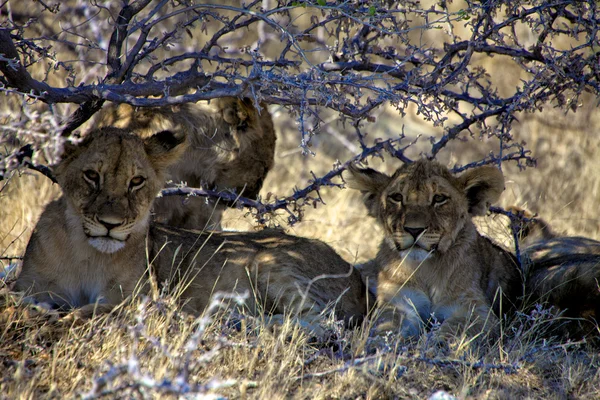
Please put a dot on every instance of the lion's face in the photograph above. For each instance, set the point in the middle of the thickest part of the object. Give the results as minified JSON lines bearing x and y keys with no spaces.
{"x":423,"y":207}
{"x":231,"y":146}
{"x":110,"y":181}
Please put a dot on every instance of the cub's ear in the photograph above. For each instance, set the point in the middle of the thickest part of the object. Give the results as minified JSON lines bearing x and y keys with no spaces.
{"x":164,"y":148}
{"x":482,"y":186}
{"x":370,"y":183}
{"x":70,"y":152}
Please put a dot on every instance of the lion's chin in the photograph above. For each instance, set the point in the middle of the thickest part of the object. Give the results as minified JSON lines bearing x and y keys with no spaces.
{"x":106,"y":245}
{"x":415,"y":254}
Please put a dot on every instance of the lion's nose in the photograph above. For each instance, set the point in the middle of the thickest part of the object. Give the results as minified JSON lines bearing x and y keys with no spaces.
{"x":414,"y":232}
{"x":110,"y":222}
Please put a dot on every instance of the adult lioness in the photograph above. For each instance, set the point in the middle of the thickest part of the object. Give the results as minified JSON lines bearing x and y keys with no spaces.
{"x":94,"y":244}
{"x":231,"y":145}
{"x":434,"y":262}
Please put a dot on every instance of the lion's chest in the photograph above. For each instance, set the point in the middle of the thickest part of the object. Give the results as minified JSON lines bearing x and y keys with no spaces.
{"x":87,"y":282}
{"x":437,"y":282}
{"x":424,"y":272}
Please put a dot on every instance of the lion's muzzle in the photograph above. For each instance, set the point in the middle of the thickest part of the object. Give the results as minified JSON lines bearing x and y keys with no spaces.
{"x":107,"y":233}
{"x":415,"y":237}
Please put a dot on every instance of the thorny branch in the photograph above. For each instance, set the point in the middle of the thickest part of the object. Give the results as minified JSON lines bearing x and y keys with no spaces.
{"x":351,"y":57}
{"x":294,"y":203}
{"x":438,"y":362}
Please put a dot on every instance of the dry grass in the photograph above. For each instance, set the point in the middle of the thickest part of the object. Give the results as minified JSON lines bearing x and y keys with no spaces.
{"x":150,"y":349}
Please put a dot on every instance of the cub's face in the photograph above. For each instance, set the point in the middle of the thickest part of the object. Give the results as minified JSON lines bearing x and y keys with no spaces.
{"x":110,"y":181}
{"x":423,"y":207}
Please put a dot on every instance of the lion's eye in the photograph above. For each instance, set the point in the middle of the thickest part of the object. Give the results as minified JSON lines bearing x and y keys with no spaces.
{"x":91,"y":176}
{"x":396,"y":197}
{"x":136,"y":182}
{"x":439,"y":199}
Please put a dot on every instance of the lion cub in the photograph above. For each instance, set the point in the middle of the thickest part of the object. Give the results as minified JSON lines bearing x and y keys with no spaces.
{"x":231,"y":146}
{"x":433,"y":262}
{"x":93,"y":246}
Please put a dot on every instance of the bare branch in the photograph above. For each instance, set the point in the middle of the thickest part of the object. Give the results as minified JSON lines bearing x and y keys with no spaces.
{"x":294,"y":202}
{"x":14,"y":72}
{"x":115,"y":48}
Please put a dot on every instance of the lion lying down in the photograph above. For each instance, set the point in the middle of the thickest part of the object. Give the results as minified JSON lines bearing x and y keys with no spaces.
{"x":93,"y":246}
{"x":230,"y":146}
{"x":433,"y":262}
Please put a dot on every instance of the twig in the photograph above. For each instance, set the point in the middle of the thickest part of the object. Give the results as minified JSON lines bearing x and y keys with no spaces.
{"x":11,"y":258}
{"x":438,"y":362}
{"x":24,"y":156}
{"x":298,"y":195}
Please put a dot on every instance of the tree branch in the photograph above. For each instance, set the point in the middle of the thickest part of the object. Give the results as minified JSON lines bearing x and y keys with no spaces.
{"x":298,"y":195}
{"x":14,"y":72}
{"x":116,"y":74}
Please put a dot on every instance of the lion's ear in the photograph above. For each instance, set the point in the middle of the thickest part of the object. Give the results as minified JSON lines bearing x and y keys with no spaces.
{"x":482,"y":186}
{"x":70,"y":152}
{"x":370,"y":183}
{"x":164,"y":148}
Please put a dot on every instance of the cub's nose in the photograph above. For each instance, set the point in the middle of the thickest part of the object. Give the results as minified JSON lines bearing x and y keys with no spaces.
{"x":414,"y":232}
{"x":110,"y":222}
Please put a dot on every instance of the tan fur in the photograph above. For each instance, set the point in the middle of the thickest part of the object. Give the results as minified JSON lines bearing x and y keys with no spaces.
{"x":562,"y":271}
{"x":433,"y":262}
{"x":565,"y":272}
{"x":92,"y":247}
{"x":534,"y":229}
{"x":231,"y":145}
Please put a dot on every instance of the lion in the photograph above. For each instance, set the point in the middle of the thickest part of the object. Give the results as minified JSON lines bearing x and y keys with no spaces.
{"x":529,"y":227}
{"x":231,"y":145}
{"x":97,"y":245}
{"x":434,"y":264}
{"x":565,"y":272}
{"x":562,"y":271}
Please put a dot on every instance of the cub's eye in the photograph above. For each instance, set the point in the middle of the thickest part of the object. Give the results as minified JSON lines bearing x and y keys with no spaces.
{"x":396,"y":197}
{"x":439,"y":199}
{"x":91,"y":176}
{"x":136,"y":182}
